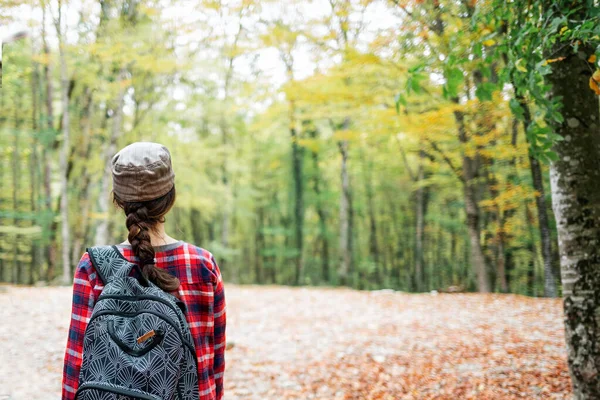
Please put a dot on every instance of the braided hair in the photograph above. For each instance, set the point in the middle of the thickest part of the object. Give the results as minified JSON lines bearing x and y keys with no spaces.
{"x":142,"y":217}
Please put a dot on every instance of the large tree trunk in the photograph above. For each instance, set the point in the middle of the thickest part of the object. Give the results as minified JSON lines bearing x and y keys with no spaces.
{"x":472,"y":211}
{"x":576,"y":203}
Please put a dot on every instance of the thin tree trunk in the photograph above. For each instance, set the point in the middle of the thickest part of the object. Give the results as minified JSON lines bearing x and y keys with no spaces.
{"x":259,"y":246}
{"x":226,"y":205}
{"x":542,"y":210}
{"x":16,"y":180}
{"x":472,"y":211}
{"x":34,"y":264}
{"x":373,"y":243}
{"x":102,"y":231}
{"x":81,"y":228}
{"x":500,"y":239}
{"x":64,"y":157}
{"x":576,"y":202}
{"x":196,"y":222}
{"x":531,"y":248}
{"x":50,"y":248}
{"x":297,"y":158}
{"x":320,"y":212}
{"x":345,"y":216}
{"x":420,"y":225}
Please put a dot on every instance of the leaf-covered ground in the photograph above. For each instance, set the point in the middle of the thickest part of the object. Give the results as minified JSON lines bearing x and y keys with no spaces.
{"x":312,"y":343}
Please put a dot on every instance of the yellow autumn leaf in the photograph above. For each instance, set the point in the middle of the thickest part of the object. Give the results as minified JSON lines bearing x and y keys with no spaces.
{"x":552,"y":60}
{"x":594,"y":83}
{"x":42,"y":58}
{"x":489,"y":42}
{"x":519,"y":66}
{"x":592,"y":59}
{"x":563,"y":29}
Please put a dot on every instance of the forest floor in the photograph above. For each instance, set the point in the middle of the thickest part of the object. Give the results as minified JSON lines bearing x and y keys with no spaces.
{"x":316,"y":343}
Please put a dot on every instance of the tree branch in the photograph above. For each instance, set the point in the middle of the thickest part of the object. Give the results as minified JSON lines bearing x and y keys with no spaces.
{"x":456,"y":171}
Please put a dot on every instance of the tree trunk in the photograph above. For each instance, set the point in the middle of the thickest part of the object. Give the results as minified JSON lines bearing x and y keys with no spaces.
{"x":196,"y":222}
{"x":102,"y":231}
{"x":320,"y":212}
{"x":472,"y":211}
{"x":500,"y":238}
{"x":298,"y":196}
{"x":50,"y":249}
{"x":259,"y":245}
{"x":345,"y":218}
{"x":16,"y":180}
{"x":64,"y":156}
{"x":82,"y":227}
{"x":373,"y":243}
{"x":576,"y":203}
{"x":420,"y":224}
{"x":542,"y":210}
{"x":34,"y":264}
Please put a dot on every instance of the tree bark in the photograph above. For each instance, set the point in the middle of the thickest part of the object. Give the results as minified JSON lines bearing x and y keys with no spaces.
{"x":576,"y":203}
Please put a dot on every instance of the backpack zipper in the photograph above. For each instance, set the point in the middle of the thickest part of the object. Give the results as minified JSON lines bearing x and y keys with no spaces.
{"x":143,"y":297}
{"x":161,"y":316}
{"x":117,"y":390}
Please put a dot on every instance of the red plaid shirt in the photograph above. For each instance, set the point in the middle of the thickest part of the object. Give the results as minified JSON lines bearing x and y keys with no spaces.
{"x":202,"y":292}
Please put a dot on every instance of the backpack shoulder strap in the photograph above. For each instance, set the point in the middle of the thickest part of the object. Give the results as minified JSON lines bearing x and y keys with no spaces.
{"x":109,"y":263}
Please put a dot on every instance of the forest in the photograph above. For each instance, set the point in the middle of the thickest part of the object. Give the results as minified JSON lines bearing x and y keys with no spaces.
{"x":423,"y":146}
{"x":328,"y":149}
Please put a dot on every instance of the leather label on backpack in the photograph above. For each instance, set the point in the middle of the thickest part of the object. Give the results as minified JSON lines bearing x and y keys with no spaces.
{"x":146,"y":336}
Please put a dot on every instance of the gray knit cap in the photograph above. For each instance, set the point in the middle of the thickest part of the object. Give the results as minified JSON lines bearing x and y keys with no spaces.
{"x":142,"y":171}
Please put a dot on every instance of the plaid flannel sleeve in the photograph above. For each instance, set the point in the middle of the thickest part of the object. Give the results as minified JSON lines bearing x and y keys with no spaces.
{"x":83,"y":303}
{"x":219,"y":309}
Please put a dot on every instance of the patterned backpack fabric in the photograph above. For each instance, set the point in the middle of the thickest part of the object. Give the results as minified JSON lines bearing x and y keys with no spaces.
{"x":137,"y":344}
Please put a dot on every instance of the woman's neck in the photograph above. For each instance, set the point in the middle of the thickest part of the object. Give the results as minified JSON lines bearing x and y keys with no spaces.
{"x":158,"y":236}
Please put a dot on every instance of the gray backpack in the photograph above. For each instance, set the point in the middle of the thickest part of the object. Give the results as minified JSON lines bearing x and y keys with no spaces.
{"x":137,"y":344}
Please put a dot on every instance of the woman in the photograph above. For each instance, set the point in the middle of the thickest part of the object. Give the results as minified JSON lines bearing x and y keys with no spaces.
{"x":143,"y":186}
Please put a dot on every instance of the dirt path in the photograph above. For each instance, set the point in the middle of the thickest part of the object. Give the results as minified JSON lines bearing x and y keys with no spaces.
{"x":331,"y":344}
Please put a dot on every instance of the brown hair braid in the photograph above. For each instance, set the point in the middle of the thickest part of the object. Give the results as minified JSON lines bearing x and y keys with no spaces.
{"x":141,"y":218}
